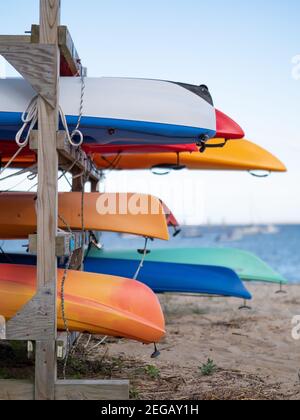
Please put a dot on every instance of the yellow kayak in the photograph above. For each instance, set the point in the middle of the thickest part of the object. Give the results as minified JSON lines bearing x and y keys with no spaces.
{"x":94,"y":303}
{"x":136,"y":214}
{"x":239,"y":155}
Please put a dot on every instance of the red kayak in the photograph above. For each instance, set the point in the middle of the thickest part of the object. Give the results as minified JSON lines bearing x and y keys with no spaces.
{"x":226,"y":129}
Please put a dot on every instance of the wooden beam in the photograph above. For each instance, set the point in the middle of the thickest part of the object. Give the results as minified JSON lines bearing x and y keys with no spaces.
{"x":36,"y":63}
{"x":70,"y":157}
{"x":83,"y":162}
{"x":70,"y":63}
{"x":95,"y":186}
{"x":47,"y":207}
{"x":68,"y":51}
{"x":66,"y":243}
{"x":34,"y":322}
{"x":92,"y":390}
{"x":11,"y":390}
{"x":20,"y":39}
{"x":70,"y":60}
{"x":2,"y":328}
{"x":68,"y":390}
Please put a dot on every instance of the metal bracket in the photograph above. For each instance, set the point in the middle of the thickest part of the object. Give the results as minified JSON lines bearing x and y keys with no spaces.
{"x":62,"y":343}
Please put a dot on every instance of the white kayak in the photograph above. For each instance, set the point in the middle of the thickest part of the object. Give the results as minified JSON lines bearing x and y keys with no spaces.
{"x":120,"y":111}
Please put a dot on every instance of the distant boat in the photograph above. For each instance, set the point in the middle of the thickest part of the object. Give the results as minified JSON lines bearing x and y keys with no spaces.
{"x":271,"y":230}
{"x":239,"y":233}
{"x":232,"y":236}
{"x":190,"y":232}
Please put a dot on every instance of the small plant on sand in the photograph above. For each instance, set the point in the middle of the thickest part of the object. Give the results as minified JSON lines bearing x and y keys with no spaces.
{"x":134,"y":394}
{"x":208,"y":368}
{"x":152,"y":371}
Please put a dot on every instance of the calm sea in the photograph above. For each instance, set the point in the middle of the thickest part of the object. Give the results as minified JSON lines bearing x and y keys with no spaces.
{"x":278,"y":246}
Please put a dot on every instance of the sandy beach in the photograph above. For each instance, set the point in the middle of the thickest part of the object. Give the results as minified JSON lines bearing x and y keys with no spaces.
{"x":254,"y":352}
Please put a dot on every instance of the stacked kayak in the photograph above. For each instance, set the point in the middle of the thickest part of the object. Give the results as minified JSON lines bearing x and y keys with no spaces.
{"x":246,"y":265}
{"x":128,"y":124}
{"x":161,"y":277}
{"x":96,"y":304}
{"x":241,"y":155}
{"x":125,"y":213}
{"x":120,"y":111}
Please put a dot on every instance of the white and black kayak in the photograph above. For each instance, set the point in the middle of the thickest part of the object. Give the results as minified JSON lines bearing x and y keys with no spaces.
{"x":120,"y":111}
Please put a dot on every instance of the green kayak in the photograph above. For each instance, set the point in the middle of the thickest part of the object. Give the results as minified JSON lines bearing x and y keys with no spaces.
{"x":246,"y":265}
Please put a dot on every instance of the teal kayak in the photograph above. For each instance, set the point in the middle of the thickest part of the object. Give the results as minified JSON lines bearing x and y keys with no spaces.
{"x":246,"y":265}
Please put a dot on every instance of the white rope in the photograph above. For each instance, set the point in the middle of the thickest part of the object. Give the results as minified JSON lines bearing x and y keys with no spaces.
{"x":141,"y":265}
{"x":10,"y":161}
{"x":69,"y":135}
{"x":29,"y":117}
{"x":76,"y":131}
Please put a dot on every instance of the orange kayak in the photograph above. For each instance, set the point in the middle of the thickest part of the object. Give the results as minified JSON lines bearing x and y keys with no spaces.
{"x":238,"y":155}
{"x":96,"y":304}
{"x":136,"y":214}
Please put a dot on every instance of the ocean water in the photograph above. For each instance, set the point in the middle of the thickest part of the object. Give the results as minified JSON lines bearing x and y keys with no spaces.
{"x":280,"y":247}
{"x":281,"y":250}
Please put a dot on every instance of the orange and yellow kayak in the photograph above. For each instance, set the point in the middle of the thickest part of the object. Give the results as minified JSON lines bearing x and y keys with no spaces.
{"x":96,"y":304}
{"x":136,"y":214}
{"x":239,"y":155}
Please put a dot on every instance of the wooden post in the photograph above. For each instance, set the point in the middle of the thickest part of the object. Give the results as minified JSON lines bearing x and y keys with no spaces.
{"x":39,"y":64}
{"x":94,"y":186}
{"x":46,"y":369}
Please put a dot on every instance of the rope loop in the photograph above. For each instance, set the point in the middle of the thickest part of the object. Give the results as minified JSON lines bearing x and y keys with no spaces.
{"x":29,"y":117}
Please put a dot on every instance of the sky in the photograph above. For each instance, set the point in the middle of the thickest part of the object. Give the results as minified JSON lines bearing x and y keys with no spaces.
{"x":247,"y":52}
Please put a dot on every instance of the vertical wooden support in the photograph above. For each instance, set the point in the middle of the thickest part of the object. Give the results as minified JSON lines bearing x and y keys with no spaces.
{"x":94,"y":186}
{"x":46,"y":369}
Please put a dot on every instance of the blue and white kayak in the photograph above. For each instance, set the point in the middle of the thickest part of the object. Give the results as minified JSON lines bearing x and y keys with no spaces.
{"x":161,"y":277}
{"x":120,"y":111}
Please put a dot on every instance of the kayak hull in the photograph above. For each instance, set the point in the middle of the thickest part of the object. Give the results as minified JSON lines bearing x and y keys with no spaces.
{"x":119,"y":110}
{"x":227,"y":128}
{"x":136,"y":214}
{"x":96,"y":304}
{"x":239,"y":155}
{"x":161,"y":277}
{"x":175,"y":278}
{"x":246,"y":265}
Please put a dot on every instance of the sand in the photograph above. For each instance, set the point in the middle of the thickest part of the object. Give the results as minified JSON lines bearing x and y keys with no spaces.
{"x":253,"y":350}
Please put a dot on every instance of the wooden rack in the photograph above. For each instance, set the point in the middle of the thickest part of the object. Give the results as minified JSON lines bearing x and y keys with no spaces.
{"x":41,"y":58}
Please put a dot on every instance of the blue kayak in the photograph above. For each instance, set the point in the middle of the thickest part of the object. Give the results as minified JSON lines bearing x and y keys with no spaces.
{"x":162,"y":277}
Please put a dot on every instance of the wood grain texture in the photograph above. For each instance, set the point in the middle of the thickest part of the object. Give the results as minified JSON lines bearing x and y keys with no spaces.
{"x":50,"y":11}
{"x":34,"y":321}
{"x":68,"y":390}
{"x":70,"y":157}
{"x":7,"y":39}
{"x":36,"y":63}
{"x":47,"y":205}
{"x":16,"y":390}
{"x":2,"y":328}
{"x":70,"y":60}
{"x":92,"y":390}
{"x":68,"y":50}
{"x":75,"y":155}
